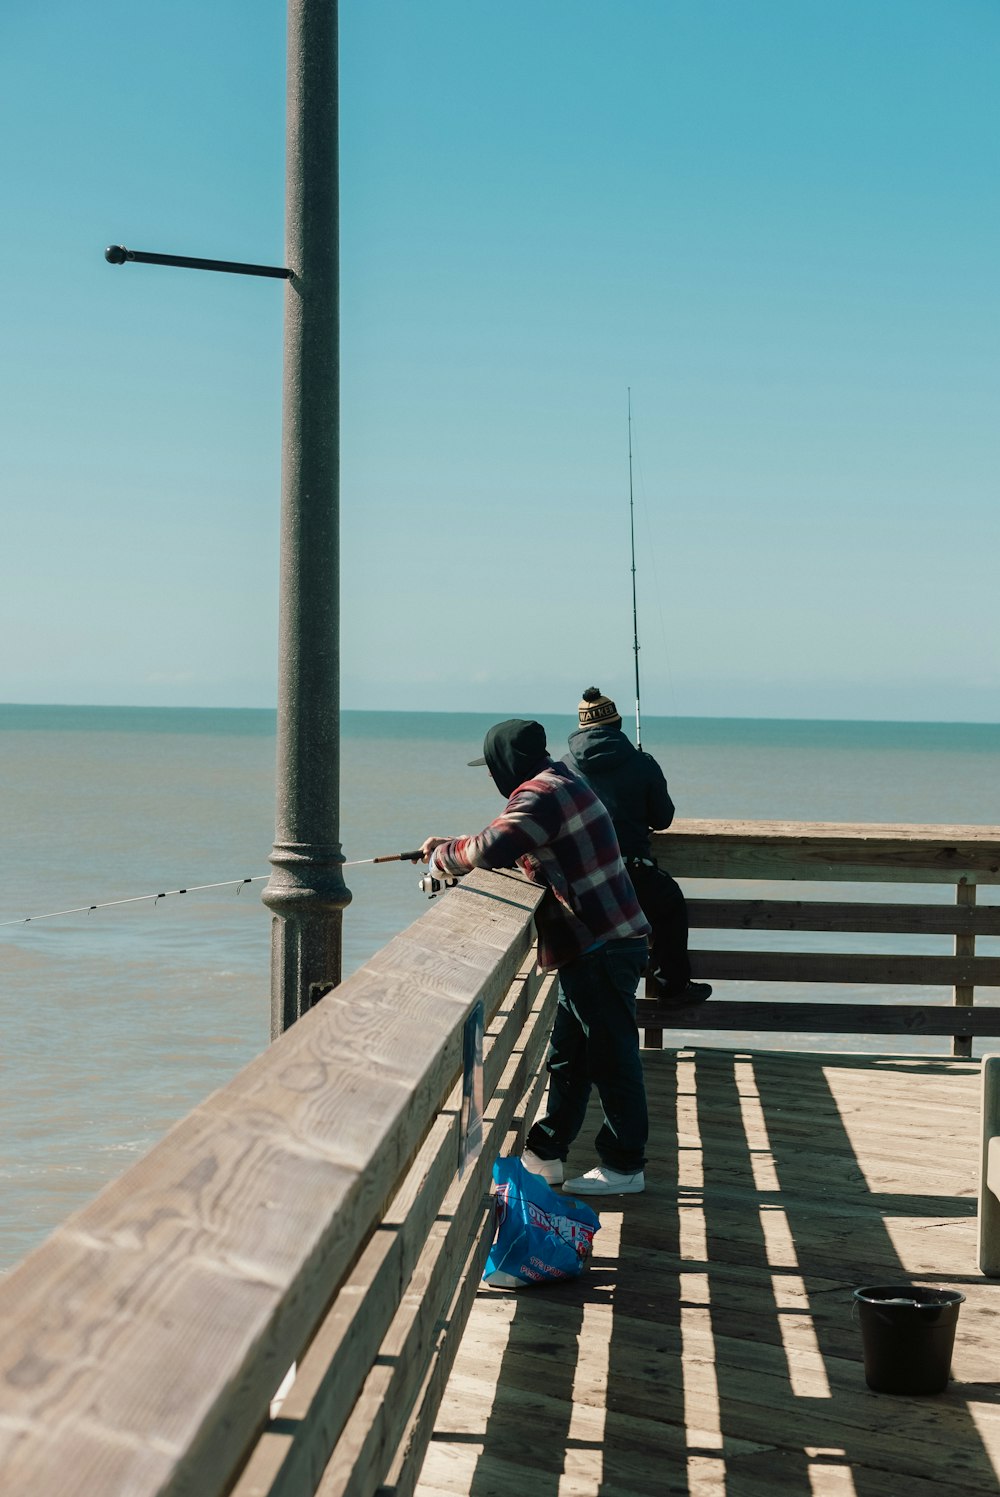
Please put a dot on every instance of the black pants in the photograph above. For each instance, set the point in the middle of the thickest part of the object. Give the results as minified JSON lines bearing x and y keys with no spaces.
{"x":595,"y":1042}
{"x":663,"y":906}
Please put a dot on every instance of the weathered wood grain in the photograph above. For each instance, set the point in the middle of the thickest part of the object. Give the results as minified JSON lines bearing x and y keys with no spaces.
{"x":402,"y":1476}
{"x":293,"y":1452}
{"x":847,"y":967}
{"x":504,"y":1033}
{"x":853,"y":916}
{"x":147,"y":1336}
{"x":782,"y":850}
{"x":989,"y":1168}
{"x":965,"y":946}
{"x":649,"y":1425}
{"x":823,"y":1018}
{"x":404,"y":1473}
{"x":382,"y":1414}
{"x":621,"y":1393}
{"x":866,"y":853}
{"x":144,"y":1340}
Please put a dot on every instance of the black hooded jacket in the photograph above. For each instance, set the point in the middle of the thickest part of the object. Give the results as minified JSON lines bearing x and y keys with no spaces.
{"x":629,"y":782}
{"x":514,"y":751}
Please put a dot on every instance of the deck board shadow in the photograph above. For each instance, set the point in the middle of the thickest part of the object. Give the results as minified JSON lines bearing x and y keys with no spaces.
{"x":710,"y":1348}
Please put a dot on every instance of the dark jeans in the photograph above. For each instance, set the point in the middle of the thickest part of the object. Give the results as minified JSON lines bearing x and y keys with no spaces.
{"x":595,"y":1042}
{"x":663,"y":906}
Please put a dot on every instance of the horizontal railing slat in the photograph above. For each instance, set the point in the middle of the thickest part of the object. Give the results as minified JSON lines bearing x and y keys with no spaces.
{"x":854,"y":916}
{"x":846,"y":967}
{"x":793,"y":1017}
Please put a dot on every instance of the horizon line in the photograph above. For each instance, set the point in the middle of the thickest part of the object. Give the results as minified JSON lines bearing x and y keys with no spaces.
{"x":495,"y":717}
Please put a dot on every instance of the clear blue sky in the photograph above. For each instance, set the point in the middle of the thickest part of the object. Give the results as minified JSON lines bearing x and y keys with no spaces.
{"x":778,"y":221}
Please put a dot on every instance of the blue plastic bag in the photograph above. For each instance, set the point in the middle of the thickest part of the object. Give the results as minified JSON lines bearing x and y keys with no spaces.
{"x":541,"y":1235}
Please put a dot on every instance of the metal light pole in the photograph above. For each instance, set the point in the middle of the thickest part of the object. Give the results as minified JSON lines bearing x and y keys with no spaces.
{"x":306,"y":892}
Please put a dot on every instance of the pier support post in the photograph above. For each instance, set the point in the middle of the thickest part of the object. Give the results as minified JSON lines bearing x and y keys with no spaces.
{"x":965,"y":945}
{"x":989,"y":1169}
{"x":306,"y":892}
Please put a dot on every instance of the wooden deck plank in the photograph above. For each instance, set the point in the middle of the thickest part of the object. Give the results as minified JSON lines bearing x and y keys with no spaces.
{"x":711,"y":1348}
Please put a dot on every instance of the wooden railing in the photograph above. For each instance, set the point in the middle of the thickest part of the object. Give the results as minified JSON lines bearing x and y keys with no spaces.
{"x":311,"y":1212}
{"x":963,"y":856}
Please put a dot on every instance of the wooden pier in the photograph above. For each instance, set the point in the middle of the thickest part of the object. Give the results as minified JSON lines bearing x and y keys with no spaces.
{"x":710,"y":1348}
{"x":313,"y":1214}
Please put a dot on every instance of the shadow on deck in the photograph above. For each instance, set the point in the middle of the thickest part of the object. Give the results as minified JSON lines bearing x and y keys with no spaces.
{"x":710,"y":1348}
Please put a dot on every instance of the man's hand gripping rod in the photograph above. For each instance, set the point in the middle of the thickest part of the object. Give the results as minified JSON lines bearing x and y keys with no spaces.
{"x":391,"y":857}
{"x":429,"y":884}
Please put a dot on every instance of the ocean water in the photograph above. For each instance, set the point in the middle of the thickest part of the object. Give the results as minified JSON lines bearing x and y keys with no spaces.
{"x":117,"y":1022}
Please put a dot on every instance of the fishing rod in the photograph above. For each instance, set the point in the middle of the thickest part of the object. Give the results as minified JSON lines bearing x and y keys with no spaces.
{"x":390,"y":857}
{"x":635,"y":614}
{"x":229,"y":883}
{"x":430,"y":884}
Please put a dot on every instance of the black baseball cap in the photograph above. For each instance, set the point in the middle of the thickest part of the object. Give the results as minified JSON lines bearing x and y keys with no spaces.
{"x":518,"y":739}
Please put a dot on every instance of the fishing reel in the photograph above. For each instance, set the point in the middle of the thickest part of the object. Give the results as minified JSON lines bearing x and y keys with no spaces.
{"x":432,"y":885}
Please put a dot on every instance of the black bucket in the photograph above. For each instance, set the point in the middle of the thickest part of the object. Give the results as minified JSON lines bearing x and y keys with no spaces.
{"x":908,"y":1335}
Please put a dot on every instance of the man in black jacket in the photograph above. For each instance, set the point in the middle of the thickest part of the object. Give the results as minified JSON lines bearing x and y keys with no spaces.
{"x":633,"y":788}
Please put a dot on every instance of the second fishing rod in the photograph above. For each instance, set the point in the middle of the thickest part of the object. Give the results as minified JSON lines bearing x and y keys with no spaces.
{"x":635,"y":612}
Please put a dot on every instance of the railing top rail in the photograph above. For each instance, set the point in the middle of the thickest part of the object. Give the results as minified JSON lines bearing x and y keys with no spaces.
{"x":851,"y":832}
{"x":836,"y":851}
{"x":145,"y":1337}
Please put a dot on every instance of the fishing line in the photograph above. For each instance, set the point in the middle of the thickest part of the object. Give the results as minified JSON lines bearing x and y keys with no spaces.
{"x":85,"y":909}
{"x":228,"y":883}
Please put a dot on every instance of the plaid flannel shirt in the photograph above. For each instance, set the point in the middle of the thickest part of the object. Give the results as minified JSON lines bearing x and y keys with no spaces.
{"x":557,"y":831}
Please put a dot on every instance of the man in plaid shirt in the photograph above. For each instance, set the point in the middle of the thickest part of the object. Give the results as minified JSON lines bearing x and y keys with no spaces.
{"x":591,"y":929}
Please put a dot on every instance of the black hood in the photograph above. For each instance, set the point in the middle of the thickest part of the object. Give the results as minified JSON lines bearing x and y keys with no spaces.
{"x":514,"y":751}
{"x":598,"y":749}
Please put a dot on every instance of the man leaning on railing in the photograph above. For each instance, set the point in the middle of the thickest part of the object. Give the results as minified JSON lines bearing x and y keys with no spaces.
{"x":591,"y":930}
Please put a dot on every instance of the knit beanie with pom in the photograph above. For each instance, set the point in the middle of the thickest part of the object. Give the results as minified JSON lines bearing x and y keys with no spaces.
{"x":596,"y":708}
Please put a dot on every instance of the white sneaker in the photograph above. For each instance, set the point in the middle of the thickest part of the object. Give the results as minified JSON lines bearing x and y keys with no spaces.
{"x":551,"y":1170}
{"x":602,"y":1181}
